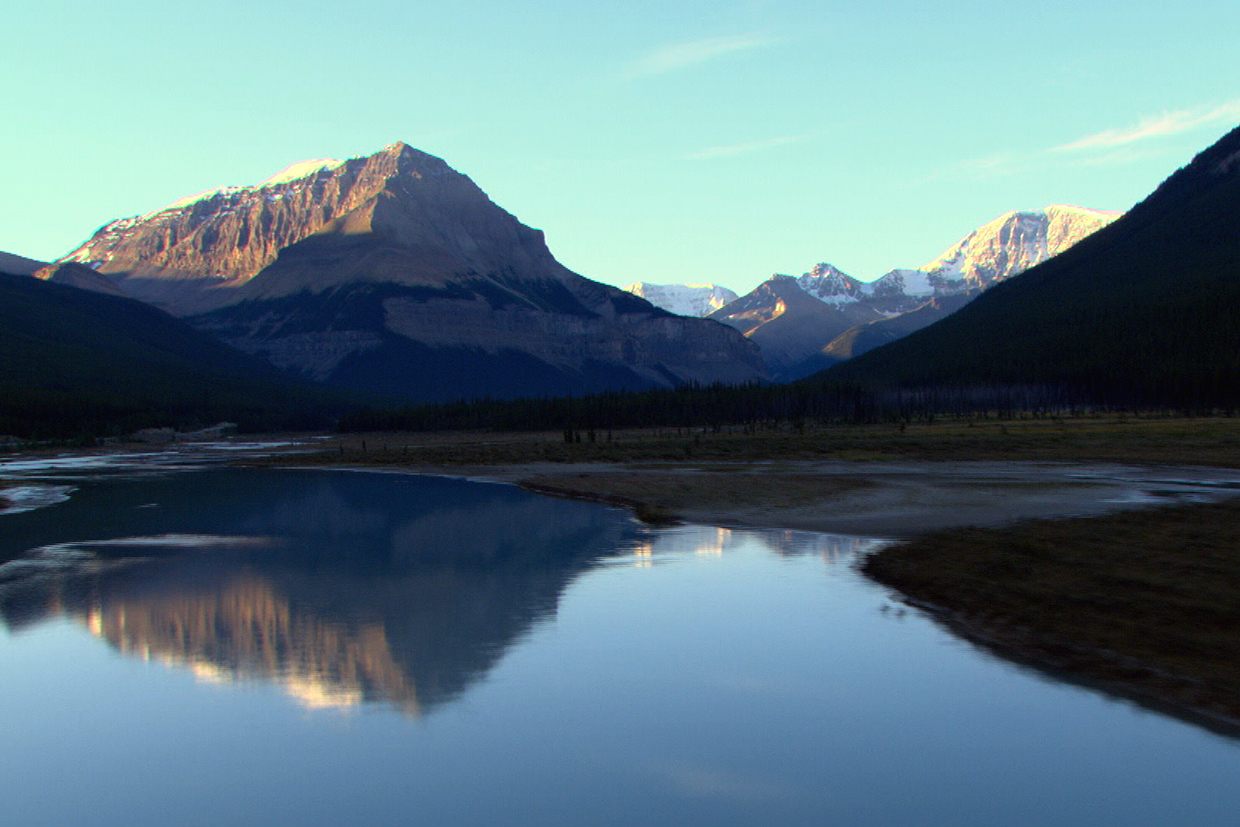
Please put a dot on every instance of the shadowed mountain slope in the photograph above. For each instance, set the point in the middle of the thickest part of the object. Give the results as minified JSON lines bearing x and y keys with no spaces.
{"x":74,"y":361}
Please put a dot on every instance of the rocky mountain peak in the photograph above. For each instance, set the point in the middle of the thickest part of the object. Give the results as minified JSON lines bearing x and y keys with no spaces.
{"x":832,"y":285}
{"x":1012,"y":243}
{"x":394,"y":273}
{"x":197,"y":253}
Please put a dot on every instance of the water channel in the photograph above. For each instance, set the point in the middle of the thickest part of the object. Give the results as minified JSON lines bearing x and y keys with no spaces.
{"x":217,"y":646}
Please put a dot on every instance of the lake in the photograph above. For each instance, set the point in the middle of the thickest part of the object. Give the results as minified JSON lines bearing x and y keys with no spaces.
{"x":213,"y":646}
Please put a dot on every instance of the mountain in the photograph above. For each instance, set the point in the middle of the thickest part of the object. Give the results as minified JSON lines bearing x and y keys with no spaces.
{"x":790,"y":325}
{"x":865,"y":337}
{"x":683,"y":299}
{"x":77,"y":275}
{"x":74,"y":361}
{"x":1014,"y":242}
{"x":870,"y":313}
{"x":395,"y":273}
{"x":1142,"y":311}
{"x":19,"y":265}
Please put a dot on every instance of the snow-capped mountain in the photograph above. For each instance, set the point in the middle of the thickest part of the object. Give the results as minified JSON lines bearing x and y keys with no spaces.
{"x":684,"y":299}
{"x":999,"y":249}
{"x":832,"y":285}
{"x":1142,"y":312}
{"x":1013,"y":243}
{"x":395,"y":273}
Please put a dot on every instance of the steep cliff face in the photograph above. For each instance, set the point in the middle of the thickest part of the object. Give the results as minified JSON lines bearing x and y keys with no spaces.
{"x":192,"y":254}
{"x":394,"y":272}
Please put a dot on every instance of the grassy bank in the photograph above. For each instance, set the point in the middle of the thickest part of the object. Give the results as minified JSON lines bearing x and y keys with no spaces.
{"x":1204,"y":441}
{"x":1143,"y":604}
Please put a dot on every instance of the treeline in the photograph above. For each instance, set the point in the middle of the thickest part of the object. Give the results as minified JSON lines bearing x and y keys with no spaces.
{"x":810,"y":403}
{"x":83,"y":416}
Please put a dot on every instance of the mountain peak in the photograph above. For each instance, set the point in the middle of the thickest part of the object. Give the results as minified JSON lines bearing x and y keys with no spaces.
{"x":1014,"y":242}
{"x":411,"y":160}
{"x":684,"y":299}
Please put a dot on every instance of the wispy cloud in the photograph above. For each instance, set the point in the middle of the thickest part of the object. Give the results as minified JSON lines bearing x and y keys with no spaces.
{"x":1110,"y":147}
{"x":743,"y":149}
{"x":680,"y":55}
{"x":1168,"y":123}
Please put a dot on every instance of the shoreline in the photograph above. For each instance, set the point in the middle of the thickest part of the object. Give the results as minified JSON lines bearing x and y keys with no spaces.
{"x":1140,"y":605}
{"x":1048,"y":662}
{"x":915,"y":496}
{"x":999,"y":630}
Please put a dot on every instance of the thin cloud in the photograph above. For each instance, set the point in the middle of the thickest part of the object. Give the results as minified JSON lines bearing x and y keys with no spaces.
{"x":1111,"y":147}
{"x":713,"y":152}
{"x":680,"y":55}
{"x":1170,"y":123}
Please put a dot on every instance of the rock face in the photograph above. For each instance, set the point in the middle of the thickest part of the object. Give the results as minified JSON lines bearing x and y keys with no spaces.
{"x":395,"y":273}
{"x":845,"y":317}
{"x":684,"y":299}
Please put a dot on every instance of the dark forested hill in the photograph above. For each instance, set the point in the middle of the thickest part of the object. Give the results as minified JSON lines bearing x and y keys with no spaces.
{"x":1145,"y":310}
{"x":77,"y":362}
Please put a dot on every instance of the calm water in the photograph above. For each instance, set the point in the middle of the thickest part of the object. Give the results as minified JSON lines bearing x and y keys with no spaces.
{"x":225,"y":647}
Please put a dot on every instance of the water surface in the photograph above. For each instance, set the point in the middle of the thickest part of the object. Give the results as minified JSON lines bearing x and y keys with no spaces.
{"x":229,"y":647}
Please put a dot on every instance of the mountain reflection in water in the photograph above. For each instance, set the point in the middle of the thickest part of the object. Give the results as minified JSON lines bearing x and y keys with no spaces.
{"x":344,"y":588}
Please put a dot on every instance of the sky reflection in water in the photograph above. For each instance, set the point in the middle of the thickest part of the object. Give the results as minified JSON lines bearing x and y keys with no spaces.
{"x":378,"y":649}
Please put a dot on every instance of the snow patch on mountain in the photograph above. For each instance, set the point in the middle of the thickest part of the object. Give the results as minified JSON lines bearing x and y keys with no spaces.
{"x":301,"y":169}
{"x":684,"y":299}
{"x":900,"y":282}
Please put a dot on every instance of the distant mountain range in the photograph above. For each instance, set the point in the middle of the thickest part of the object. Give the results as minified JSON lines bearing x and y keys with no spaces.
{"x":806,"y":323}
{"x":1143,"y":311}
{"x":394,"y":273}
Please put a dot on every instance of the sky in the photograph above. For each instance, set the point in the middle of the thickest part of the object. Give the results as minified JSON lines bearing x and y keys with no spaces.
{"x":668,"y":142}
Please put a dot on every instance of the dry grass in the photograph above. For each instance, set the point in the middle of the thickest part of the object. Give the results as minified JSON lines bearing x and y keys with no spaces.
{"x":1205,"y":441}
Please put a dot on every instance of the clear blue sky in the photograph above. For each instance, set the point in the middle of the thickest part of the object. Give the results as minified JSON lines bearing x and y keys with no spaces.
{"x":663,"y":141}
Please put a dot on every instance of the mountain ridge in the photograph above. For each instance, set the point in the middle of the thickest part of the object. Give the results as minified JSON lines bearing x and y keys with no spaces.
{"x":991,"y":253}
